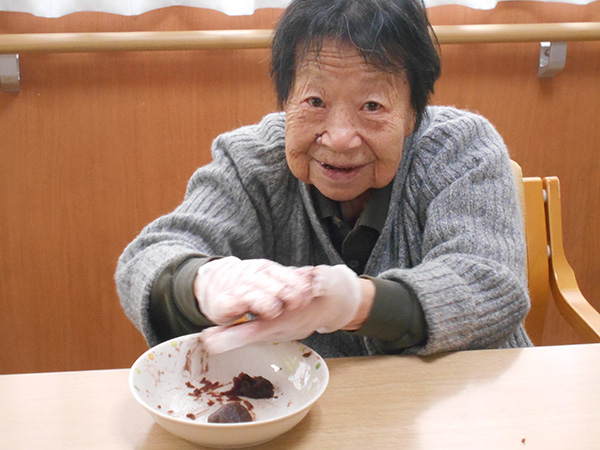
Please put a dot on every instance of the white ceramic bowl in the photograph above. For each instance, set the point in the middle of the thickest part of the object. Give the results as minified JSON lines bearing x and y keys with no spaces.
{"x":163,"y":379}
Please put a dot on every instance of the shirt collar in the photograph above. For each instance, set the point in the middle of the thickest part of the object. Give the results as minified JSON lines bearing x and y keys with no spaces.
{"x":373,"y":216}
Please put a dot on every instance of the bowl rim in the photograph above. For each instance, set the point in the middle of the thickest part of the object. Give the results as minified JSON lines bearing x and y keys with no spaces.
{"x":255,"y":423}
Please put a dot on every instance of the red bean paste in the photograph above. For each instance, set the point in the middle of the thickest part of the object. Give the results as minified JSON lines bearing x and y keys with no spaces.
{"x":230,"y":413}
{"x":252,"y":387}
{"x":237,"y":409}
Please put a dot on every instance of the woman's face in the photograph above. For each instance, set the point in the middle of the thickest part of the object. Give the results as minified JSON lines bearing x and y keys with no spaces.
{"x":346,"y":122}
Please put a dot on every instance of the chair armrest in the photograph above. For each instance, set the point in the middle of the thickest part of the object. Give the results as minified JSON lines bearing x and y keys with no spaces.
{"x":571,"y":303}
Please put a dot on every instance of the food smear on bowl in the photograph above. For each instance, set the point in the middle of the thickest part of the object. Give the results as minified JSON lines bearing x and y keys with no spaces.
{"x":207,"y":386}
{"x":233,"y":412}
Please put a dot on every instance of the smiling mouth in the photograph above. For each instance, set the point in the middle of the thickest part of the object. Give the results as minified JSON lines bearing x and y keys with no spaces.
{"x":340,"y":169}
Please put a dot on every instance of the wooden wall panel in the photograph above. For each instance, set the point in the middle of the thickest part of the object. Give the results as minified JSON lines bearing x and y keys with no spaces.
{"x":97,"y":145}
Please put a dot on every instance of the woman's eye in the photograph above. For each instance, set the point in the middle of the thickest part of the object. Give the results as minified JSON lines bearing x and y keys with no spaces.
{"x":316,"y":102}
{"x":371,"y":106}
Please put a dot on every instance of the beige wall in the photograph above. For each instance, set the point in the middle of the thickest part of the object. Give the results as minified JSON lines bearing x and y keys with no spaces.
{"x":97,"y":145}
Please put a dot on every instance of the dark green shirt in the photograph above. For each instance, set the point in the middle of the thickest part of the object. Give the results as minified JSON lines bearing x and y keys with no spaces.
{"x":396,"y":320}
{"x":354,"y":244}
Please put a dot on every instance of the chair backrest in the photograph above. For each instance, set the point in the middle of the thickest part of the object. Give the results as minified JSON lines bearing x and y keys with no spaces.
{"x":531,"y":199}
{"x":549,"y":274}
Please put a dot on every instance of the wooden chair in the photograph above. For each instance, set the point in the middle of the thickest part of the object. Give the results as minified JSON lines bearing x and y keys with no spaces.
{"x":548,"y":270}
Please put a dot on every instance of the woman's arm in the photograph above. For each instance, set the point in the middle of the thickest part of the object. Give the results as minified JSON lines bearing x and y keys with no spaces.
{"x":469,"y":275}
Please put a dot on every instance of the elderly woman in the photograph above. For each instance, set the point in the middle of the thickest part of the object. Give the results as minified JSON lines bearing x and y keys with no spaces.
{"x":358,"y":219}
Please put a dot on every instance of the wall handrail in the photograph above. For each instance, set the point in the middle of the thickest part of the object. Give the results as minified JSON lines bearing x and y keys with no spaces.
{"x":261,"y":38}
{"x":525,"y":32}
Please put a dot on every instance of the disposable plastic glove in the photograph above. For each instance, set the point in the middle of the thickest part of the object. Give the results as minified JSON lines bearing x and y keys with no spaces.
{"x":336,"y":301}
{"x":228,"y":288}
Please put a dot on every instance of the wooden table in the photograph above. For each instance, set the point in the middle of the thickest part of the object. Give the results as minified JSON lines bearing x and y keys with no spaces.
{"x":537,"y":398}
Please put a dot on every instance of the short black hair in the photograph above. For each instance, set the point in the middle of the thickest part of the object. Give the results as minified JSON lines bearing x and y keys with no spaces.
{"x":392,"y":35}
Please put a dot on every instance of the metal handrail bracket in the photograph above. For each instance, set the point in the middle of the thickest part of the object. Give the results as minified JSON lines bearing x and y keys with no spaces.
{"x":10,"y":76}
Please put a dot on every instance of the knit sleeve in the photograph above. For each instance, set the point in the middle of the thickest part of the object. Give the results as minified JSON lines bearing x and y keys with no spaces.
{"x":470,"y":277}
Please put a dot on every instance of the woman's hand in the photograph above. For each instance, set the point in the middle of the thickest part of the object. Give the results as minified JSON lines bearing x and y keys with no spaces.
{"x":228,"y":288}
{"x":339,"y":299}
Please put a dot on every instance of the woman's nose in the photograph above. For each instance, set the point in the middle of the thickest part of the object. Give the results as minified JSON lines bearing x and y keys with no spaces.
{"x":340,"y":132}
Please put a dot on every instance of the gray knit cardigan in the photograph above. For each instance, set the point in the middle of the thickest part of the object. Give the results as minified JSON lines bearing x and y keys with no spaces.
{"x":453,"y":233}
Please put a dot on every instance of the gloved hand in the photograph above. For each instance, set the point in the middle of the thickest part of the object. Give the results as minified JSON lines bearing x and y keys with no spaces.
{"x":335,"y":303}
{"x":228,"y":288}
